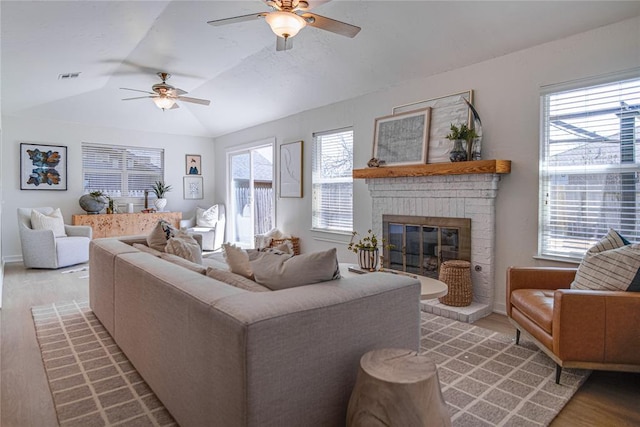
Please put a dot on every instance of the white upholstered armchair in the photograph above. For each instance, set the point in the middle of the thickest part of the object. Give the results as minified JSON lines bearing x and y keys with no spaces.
{"x":210,"y":223}
{"x":51,"y":243}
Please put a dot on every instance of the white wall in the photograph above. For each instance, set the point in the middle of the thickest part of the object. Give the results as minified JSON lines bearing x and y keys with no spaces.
{"x":19,"y":130}
{"x":507,"y":91}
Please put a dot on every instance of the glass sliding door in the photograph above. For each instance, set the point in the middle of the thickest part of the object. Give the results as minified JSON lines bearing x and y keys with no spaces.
{"x":251,"y":194}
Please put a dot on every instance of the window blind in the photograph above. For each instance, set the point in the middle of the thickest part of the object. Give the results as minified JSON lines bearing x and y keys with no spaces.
{"x":119,"y":170}
{"x":590,"y":160}
{"x":332,"y":182}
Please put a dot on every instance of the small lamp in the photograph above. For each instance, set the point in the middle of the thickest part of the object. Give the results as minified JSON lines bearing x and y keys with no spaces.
{"x":164,"y":102}
{"x":285,"y":24}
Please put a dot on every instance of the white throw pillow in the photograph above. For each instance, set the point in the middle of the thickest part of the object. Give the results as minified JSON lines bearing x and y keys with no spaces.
{"x":185,"y":247}
{"x":207,"y":217}
{"x":53,"y":222}
{"x":284,"y":271}
{"x":237,"y":259}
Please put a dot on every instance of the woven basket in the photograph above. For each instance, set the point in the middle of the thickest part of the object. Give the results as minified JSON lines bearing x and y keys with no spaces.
{"x":295,"y":241}
{"x":457,"y":275}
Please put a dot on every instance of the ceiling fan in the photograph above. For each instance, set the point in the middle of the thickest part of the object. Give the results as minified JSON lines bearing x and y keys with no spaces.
{"x":287,"y":17}
{"x":165,"y":95}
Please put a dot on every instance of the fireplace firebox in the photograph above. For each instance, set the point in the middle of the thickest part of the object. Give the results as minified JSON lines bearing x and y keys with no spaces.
{"x":419,"y":244}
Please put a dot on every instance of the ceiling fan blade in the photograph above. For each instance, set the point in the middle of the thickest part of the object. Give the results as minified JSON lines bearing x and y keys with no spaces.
{"x":193,"y":100}
{"x":284,"y":44}
{"x":236,"y":19}
{"x":138,"y":97}
{"x":332,"y":25}
{"x":174,"y":106}
{"x":176,"y":92}
{"x":138,"y":90}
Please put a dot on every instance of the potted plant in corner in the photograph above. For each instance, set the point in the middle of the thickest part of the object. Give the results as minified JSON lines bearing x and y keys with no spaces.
{"x":160,"y":188}
{"x":461,"y":137}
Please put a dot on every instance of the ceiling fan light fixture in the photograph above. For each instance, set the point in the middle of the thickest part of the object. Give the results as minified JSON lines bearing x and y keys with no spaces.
{"x":285,"y":24}
{"x":163,"y":102}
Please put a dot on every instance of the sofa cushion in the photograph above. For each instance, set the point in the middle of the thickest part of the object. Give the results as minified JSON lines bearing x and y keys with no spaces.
{"x":235,"y":280}
{"x":283,"y":271}
{"x":610,"y":265}
{"x":147,"y":249}
{"x":237,"y":259}
{"x":185,"y":247}
{"x":157,"y":238}
{"x":536,"y":304}
{"x":207,"y":217}
{"x":53,"y":222}
{"x":175,"y":259}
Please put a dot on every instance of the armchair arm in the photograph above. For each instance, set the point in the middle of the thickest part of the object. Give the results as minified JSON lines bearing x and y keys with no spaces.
{"x":187,"y":223}
{"x":596,"y":326}
{"x":38,"y":248}
{"x":78,"y":230}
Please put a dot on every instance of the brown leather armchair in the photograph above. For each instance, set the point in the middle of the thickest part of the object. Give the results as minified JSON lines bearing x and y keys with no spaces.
{"x":576,"y":328}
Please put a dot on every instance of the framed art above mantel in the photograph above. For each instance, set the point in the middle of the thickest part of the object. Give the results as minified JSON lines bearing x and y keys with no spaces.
{"x":402,"y":139}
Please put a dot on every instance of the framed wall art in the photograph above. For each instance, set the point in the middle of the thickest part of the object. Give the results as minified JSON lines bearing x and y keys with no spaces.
{"x":402,"y":139}
{"x":291,"y":169}
{"x":193,"y":164}
{"x":43,"y":167}
{"x":193,"y":188}
{"x":445,"y":110}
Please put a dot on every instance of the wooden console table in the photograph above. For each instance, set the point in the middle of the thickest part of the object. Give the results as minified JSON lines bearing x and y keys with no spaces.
{"x":125,"y":224}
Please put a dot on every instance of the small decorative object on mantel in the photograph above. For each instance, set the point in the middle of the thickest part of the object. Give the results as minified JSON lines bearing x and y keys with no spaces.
{"x":160,"y":188}
{"x":475,"y":151}
{"x":461,"y":137}
{"x":367,"y":250}
{"x":375,"y":163}
{"x":93,"y":202}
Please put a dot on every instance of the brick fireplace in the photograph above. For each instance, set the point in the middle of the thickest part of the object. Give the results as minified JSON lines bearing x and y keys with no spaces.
{"x":459,"y":195}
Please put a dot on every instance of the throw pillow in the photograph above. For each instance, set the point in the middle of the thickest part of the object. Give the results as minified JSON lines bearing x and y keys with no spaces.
{"x":185,"y":247}
{"x":157,"y":238}
{"x":235,"y":280}
{"x":238,"y":260}
{"x":53,"y":222}
{"x":610,"y":265}
{"x":147,"y":249}
{"x":183,"y":263}
{"x":207,"y":217}
{"x":283,"y":271}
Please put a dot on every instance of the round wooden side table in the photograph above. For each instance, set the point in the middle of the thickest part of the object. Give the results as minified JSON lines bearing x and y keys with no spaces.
{"x":397,"y":387}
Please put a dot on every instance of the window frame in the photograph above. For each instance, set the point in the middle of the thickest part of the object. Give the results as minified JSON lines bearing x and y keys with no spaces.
{"x":572,"y":248}
{"x":317,"y":181}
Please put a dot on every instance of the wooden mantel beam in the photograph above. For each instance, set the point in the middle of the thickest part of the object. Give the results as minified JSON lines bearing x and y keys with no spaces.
{"x":454,"y":168}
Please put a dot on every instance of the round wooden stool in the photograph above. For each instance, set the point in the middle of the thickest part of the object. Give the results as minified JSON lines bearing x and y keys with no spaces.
{"x":397,"y":387}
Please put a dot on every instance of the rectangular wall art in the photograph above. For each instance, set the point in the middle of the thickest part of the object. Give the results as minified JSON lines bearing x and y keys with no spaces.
{"x":402,"y":139}
{"x":43,"y":167}
{"x":193,"y":164}
{"x":193,"y":188}
{"x":291,"y":169}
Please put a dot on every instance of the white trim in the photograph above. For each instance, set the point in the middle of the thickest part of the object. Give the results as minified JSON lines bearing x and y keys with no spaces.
{"x":632,"y":73}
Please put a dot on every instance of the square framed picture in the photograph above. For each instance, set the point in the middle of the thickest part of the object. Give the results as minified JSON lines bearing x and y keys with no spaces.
{"x":193,"y":188}
{"x":43,"y":167}
{"x":193,"y":165}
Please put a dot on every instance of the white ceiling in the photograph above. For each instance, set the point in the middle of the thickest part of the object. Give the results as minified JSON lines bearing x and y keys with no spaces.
{"x":118,"y":44}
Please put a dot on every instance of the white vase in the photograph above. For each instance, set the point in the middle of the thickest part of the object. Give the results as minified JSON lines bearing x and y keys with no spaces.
{"x":160,"y":204}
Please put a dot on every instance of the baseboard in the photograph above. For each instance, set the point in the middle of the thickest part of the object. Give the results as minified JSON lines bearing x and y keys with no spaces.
{"x":11,"y":258}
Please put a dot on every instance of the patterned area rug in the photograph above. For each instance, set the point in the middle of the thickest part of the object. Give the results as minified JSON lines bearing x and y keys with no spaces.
{"x":488,"y":380}
{"x":485,"y":378}
{"x":91,"y":380}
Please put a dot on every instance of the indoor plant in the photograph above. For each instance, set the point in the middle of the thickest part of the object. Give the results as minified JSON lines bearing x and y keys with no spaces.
{"x":459,"y":135}
{"x":367,"y":250}
{"x":160,"y":188}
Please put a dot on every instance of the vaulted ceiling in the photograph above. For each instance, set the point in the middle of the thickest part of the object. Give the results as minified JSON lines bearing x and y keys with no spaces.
{"x":115,"y":44}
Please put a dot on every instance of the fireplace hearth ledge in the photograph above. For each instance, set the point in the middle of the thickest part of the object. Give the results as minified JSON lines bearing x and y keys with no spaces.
{"x":468,"y":314}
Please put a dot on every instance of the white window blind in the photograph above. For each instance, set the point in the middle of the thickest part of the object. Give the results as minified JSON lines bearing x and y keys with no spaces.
{"x":332,"y":182}
{"x":119,"y":170}
{"x":590,"y":159}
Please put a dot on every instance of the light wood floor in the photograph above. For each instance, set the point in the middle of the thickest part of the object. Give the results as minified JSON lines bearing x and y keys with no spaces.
{"x":606,"y":399}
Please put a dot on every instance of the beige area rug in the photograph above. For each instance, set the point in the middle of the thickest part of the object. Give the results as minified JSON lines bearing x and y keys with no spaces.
{"x":488,"y":380}
{"x":485,"y":378}
{"x":91,"y":380}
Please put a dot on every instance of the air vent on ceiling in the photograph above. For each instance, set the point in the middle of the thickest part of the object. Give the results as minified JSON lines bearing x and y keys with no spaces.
{"x":67,"y":76}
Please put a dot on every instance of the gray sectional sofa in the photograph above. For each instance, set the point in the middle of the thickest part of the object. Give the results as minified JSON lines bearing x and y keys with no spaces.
{"x":217,"y":355}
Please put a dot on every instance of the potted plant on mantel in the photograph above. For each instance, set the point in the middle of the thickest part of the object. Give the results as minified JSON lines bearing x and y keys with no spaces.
{"x":160,"y":188}
{"x":461,"y":137}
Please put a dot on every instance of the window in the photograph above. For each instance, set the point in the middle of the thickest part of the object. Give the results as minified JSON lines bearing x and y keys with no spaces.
{"x":121,"y":171}
{"x":331,"y":180}
{"x":590,"y":164}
